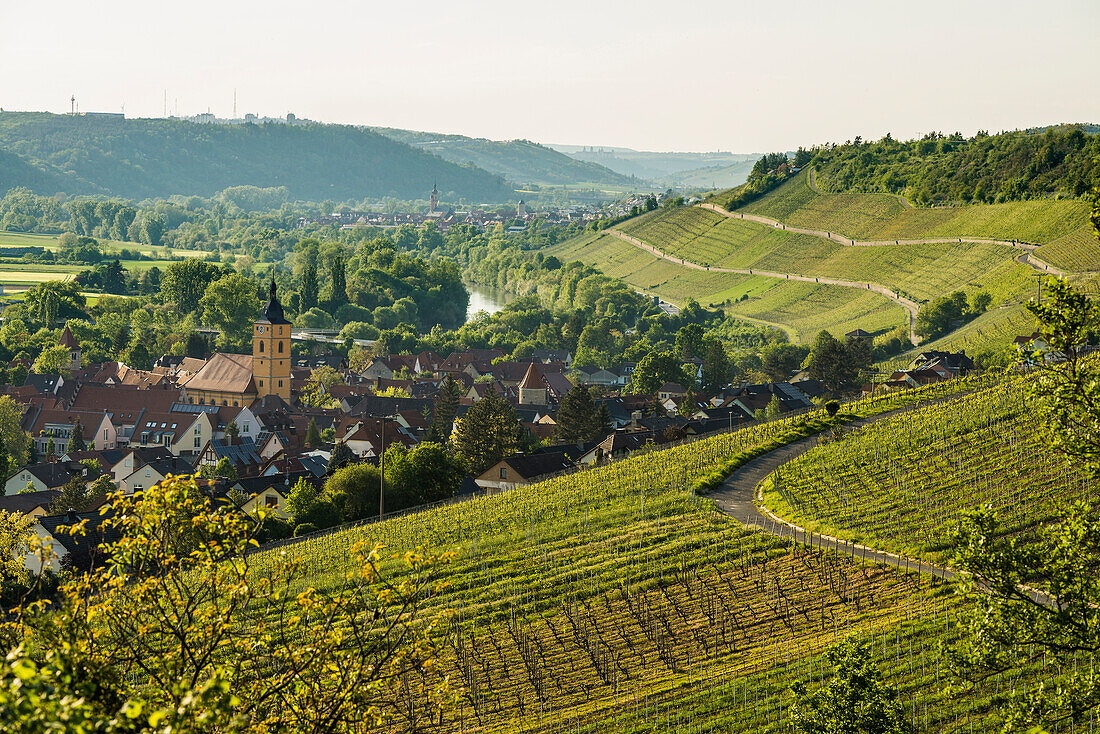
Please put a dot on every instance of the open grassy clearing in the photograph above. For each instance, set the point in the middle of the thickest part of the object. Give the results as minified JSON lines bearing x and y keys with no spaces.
{"x":923,"y":272}
{"x":803,"y":308}
{"x":49,"y":242}
{"x":613,"y":600}
{"x":902,"y":483}
{"x":881,"y":216}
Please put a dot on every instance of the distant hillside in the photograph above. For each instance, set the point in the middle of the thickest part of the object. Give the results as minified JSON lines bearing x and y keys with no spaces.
{"x":147,"y":158}
{"x":951,"y":169}
{"x":660,"y":167}
{"x":520,"y":161}
{"x":712,"y":177}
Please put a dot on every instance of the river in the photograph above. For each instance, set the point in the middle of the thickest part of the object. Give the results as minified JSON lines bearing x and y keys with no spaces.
{"x":485,"y":298}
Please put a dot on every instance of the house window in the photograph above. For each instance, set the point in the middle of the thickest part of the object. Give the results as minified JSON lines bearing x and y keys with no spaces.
{"x":148,"y":472}
{"x":137,"y":488}
{"x":235,"y":404}
{"x":271,"y":500}
{"x":225,"y":402}
{"x":503,"y":472}
{"x":280,"y":383}
{"x":198,"y":442}
{"x":261,"y":381}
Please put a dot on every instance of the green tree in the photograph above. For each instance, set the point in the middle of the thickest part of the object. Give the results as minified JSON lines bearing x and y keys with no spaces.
{"x":309,"y":292}
{"x":779,"y":360}
{"x":175,"y":580}
{"x":184,"y":283}
{"x":316,"y":392}
{"x":690,"y":341}
{"x":341,"y":456}
{"x":225,"y":468}
{"x":854,"y":701}
{"x":839,"y":365}
{"x":426,"y":473}
{"x":74,"y":496}
{"x":655,"y":369}
{"x":488,"y":432}
{"x":354,"y":491}
{"x":338,"y":296}
{"x":446,"y":406}
{"x":232,"y":432}
{"x":231,"y":304}
{"x":53,"y":300}
{"x":313,"y":435}
{"x":577,"y":417}
{"x":138,"y":356}
{"x":152,"y":228}
{"x":717,"y":368}
{"x":76,"y":439}
{"x":53,"y":361}
{"x":1068,"y":385}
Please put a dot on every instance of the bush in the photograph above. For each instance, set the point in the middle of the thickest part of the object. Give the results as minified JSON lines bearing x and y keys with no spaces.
{"x":349,"y":313}
{"x":304,"y":529}
{"x":314,"y":318}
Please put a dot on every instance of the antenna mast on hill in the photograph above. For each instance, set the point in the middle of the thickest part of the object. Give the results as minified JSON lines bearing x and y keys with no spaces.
{"x":72,"y":105}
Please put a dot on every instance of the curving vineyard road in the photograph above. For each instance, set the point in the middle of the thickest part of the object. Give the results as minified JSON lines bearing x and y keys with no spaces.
{"x":910,"y":306}
{"x":739,"y":495}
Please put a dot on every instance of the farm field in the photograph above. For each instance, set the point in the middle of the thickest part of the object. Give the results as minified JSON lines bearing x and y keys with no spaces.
{"x":882,"y":216}
{"x":613,"y":600}
{"x":902,"y":483}
{"x":802,"y":309}
{"x":923,"y":271}
{"x":49,"y":242}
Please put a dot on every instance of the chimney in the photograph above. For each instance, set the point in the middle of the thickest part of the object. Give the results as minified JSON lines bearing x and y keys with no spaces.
{"x":634,"y":418}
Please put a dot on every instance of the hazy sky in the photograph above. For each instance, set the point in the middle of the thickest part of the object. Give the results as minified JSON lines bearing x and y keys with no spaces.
{"x":737,"y":76}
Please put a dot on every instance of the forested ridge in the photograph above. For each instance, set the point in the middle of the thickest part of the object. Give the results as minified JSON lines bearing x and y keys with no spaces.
{"x":942,"y":169}
{"x":521,"y":161}
{"x":145,"y":158}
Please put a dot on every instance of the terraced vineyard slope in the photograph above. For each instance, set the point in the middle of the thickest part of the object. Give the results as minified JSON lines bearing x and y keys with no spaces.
{"x":901,"y":483}
{"x":614,"y":600}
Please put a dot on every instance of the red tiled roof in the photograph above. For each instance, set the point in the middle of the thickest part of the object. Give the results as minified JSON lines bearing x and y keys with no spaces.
{"x":224,"y":373}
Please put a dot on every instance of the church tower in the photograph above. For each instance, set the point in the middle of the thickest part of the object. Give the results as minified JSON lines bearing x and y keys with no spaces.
{"x":434,"y":201}
{"x":271,"y":349}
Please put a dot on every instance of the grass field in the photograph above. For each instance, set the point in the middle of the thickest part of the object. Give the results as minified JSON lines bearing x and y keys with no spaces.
{"x":902,"y":483}
{"x":612,"y":600}
{"x":49,"y":242}
{"x":802,"y":309}
{"x":881,"y":216}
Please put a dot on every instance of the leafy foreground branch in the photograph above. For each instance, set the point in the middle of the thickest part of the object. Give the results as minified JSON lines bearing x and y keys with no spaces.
{"x":176,"y":633}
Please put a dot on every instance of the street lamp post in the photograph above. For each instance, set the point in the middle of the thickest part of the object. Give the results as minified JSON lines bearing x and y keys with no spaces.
{"x":382,"y":468}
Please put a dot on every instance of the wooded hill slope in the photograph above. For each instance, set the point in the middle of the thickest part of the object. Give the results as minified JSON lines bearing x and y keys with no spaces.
{"x":936,"y":169}
{"x":519,"y":161}
{"x":146,"y":158}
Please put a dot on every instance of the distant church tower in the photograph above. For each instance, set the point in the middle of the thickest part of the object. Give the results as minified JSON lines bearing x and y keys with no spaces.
{"x":271,"y":349}
{"x":521,"y":210}
{"x":69,"y":342}
{"x":434,"y":201}
{"x":532,"y":390}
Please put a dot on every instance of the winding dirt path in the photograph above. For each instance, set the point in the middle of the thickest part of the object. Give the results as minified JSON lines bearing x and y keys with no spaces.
{"x":1028,"y":259}
{"x":910,"y":306}
{"x":849,"y":242}
{"x":741,"y":497}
